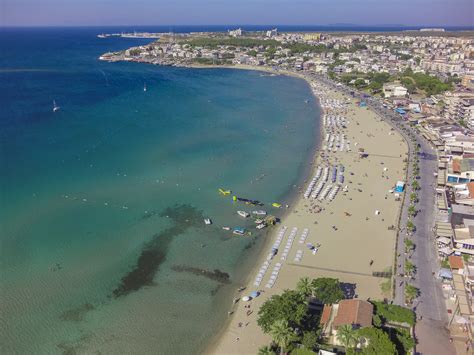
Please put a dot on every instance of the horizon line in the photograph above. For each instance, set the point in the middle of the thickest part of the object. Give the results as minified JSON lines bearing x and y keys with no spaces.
{"x":248,"y":24}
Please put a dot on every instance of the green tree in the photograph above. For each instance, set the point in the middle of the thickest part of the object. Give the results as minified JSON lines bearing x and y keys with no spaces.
{"x":282,"y":334}
{"x":360,"y":83}
{"x":305,"y":287}
{"x":409,"y":267}
{"x":409,"y":244}
{"x":411,"y":292}
{"x":310,"y":340}
{"x":377,"y":321}
{"x":375,"y":341}
{"x":290,"y":306}
{"x":346,"y":336}
{"x":413,"y":197}
{"x":415,"y":185}
{"x":410,"y":226}
{"x":403,"y":340}
{"x":327,"y":290}
{"x":265,"y":350}
{"x":412,"y":210}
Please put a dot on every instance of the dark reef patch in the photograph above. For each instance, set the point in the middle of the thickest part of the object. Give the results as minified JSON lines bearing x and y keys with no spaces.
{"x":76,"y":314}
{"x":215,"y":275}
{"x":154,"y":252}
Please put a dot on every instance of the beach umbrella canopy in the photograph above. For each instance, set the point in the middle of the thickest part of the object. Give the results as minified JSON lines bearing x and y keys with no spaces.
{"x":254,"y":294}
{"x":246,"y":298}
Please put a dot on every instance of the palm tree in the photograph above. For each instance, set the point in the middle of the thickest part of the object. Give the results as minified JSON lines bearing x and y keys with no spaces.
{"x":413,"y":197}
{"x":411,"y":292}
{"x":305,"y":287}
{"x":411,"y":210}
{"x":415,"y":185}
{"x":409,"y":267}
{"x":410,"y":226}
{"x":409,"y":245}
{"x":282,"y":334}
{"x":346,"y":336}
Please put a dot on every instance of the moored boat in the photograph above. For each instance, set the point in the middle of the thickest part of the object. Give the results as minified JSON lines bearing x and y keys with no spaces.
{"x":239,"y":231}
{"x":207,"y":221}
{"x":243,"y":214}
{"x":260,"y":213}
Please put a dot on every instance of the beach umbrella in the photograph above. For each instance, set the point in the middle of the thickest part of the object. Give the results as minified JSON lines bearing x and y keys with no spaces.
{"x":254,"y":294}
{"x":246,"y":298}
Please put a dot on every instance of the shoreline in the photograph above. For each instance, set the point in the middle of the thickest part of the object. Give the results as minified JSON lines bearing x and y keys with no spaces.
{"x":221,"y":340}
{"x":308,"y":169}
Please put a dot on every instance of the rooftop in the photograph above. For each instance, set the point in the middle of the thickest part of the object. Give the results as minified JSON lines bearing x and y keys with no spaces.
{"x":455,"y":262}
{"x":355,"y":312}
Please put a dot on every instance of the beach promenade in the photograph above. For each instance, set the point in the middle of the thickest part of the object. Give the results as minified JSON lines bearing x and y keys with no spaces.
{"x":353,"y":232}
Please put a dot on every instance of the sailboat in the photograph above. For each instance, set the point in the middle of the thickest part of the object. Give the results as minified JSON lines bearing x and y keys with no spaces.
{"x":144,"y":87}
{"x":55,"y":107}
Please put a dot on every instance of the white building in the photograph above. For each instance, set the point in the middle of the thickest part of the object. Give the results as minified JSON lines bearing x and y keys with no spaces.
{"x":394,"y":90}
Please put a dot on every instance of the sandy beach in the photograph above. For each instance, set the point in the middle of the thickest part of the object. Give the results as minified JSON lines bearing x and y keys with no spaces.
{"x":354,"y":240}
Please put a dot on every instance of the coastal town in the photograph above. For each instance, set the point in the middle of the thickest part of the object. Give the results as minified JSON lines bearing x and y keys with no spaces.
{"x":418,"y":87}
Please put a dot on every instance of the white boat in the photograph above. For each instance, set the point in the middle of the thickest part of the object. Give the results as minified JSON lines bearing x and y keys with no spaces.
{"x":243,"y":214}
{"x":239,"y":231}
{"x":261,"y":226}
{"x":226,"y":228}
{"x":258,"y":221}
{"x":207,"y":221}
{"x":260,"y":213}
{"x":55,"y":107}
{"x":144,"y":87}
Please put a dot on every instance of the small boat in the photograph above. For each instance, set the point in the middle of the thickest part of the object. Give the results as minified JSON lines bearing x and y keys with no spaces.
{"x":276,"y":204}
{"x":226,"y":228}
{"x":260,"y":213}
{"x":261,"y":226}
{"x":239,"y":231}
{"x":55,"y":107}
{"x":144,"y":87}
{"x":243,"y":214}
{"x":258,"y":221}
{"x":207,"y":221}
{"x":224,"y":192}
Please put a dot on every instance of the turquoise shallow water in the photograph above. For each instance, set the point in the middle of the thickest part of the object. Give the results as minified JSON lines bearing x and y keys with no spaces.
{"x":114,"y":186}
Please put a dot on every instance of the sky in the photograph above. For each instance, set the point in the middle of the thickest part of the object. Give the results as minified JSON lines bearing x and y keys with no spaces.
{"x":219,"y":12}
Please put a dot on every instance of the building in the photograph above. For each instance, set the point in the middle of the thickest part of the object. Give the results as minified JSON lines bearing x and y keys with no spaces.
{"x":272,"y":33}
{"x":460,"y":172}
{"x":394,"y":90}
{"x":311,"y":36}
{"x":236,"y":33}
{"x":354,"y":312}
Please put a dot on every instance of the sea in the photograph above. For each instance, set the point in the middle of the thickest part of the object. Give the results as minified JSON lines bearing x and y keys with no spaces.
{"x":103,"y":244}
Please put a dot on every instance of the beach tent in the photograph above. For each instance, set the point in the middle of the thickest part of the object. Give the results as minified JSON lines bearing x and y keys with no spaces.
{"x":400,"y":186}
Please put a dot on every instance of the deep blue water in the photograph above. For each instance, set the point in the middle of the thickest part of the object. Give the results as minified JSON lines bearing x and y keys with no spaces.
{"x":102,"y":202}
